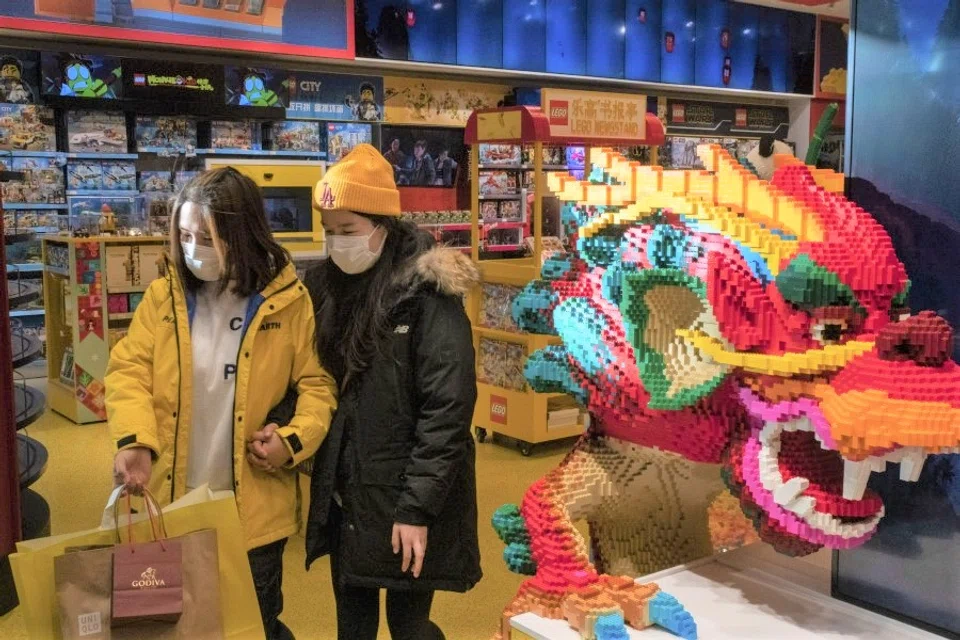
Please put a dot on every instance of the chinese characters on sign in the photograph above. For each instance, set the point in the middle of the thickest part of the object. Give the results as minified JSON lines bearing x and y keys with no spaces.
{"x":591,"y":114}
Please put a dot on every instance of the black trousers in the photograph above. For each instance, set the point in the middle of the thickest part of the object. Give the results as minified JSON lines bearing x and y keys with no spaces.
{"x":358,"y":608}
{"x":266,"y":563}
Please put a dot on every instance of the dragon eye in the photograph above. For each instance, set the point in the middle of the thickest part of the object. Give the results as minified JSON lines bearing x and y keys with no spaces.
{"x":829,"y":331}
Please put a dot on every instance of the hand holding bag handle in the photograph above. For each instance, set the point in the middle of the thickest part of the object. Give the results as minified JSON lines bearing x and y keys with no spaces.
{"x":154,"y":513}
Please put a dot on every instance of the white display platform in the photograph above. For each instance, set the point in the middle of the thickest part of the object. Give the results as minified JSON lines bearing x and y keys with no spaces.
{"x":753,"y":593}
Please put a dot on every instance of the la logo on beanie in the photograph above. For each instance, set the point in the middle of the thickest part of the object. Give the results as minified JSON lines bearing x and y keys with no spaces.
{"x":327,"y":199}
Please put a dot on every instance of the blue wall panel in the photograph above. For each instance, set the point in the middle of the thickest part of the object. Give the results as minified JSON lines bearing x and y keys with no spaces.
{"x":643,"y":40}
{"x":434,"y":36}
{"x":713,"y":23}
{"x":480,"y":33}
{"x":679,"y":41}
{"x":566,"y":36}
{"x":606,"y":37}
{"x":524,"y":31}
{"x":775,"y":73}
{"x":744,"y":43}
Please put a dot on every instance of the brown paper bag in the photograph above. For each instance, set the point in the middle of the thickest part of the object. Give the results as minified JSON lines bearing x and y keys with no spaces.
{"x":147,"y":582}
{"x":84,"y":583}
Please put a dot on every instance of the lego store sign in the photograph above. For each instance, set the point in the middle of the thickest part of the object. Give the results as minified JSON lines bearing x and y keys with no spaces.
{"x":498,"y":410}
{"x":725,"y":119}
{"x":592,"y":114}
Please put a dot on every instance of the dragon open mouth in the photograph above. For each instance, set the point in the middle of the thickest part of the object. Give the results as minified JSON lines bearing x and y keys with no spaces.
{"x":789,"y":466}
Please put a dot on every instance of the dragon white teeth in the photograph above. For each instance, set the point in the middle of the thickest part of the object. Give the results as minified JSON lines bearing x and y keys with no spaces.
{"x":802,"y":506}
{"x":911,"y":464}
{"x":786,"y":492}
{"x":855,"y":478}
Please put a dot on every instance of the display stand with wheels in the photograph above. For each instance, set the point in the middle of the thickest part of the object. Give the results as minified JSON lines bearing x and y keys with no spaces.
{"x":508,"y":243}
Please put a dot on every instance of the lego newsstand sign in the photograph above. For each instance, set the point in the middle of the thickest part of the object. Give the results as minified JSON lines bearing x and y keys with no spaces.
{"x":593,"y":114}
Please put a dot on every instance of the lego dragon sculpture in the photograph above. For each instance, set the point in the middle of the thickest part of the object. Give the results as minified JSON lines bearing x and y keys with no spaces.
{"x":712,"y":321}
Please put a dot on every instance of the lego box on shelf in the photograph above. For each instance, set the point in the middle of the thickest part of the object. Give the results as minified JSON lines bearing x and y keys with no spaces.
{"x":165,"y":134}
{"x":119,"y":176}
{"x":293,"y":135}
{"x":96,"y":132}
{"x":500,"y":155}
{"x":239,"y":135}
{"x":84,"y":175}
{"x":156,"y":181}
{"x":42,"y":181}
{"x":498,"y":183}
{"x":27,"y":127}
{"x":344,"y":136}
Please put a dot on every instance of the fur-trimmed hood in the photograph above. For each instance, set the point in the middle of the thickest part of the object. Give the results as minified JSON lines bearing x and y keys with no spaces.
{"x":447,"y":270}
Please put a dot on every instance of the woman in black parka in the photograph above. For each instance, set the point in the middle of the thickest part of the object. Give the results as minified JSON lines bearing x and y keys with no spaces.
{"x":393,"y":491}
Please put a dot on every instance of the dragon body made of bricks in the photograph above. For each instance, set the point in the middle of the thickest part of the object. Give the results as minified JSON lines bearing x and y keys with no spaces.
{"x":715,"y":325}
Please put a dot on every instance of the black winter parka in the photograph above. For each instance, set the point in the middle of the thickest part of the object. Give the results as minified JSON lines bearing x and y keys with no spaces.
{"x":400,"y":447}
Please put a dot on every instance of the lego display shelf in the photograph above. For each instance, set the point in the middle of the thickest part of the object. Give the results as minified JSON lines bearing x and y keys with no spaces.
{"x":91,"y":288}
{"x":512,"y":151}
{"x":752,"y":592}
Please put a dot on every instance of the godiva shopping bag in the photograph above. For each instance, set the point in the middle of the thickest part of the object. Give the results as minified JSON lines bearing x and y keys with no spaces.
{"x":33,"y":564}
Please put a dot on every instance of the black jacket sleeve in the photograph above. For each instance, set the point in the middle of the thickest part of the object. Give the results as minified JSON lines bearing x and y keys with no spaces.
{"x":446,"y":390}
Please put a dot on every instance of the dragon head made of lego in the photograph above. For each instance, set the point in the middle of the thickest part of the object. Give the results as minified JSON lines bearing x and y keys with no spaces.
{"x":761,"y":325}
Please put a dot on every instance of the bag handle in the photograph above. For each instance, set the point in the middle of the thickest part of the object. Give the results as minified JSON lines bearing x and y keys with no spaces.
{"x":153,"y":512}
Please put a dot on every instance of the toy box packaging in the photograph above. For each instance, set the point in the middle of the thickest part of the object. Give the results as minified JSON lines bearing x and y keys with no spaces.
{"x":296,"y":136}
{"x":182,"y":178}
{"x":27,"y":127}
{"x":96,"y":132}
{"x":42,"y":181}
{"x":243,"y":135}
{"x":155,"y":208}
{"x":164,"y":134}
{"x":117,"y":302}
{"x":343,"y":137}
{"x":84,"y":176}
{"x":499,"y":155}
{"x":155,"y":181}
{"x":120,"y":176}
{"x":152,"y":262}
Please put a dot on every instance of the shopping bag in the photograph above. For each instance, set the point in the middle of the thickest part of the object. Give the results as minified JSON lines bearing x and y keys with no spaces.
{"x":148,"y":576}
{"x":33,"y":564}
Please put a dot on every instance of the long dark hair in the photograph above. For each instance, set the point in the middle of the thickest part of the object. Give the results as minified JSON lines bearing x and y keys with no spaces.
{"x":354,"y":312}
{"x":233,"y":207}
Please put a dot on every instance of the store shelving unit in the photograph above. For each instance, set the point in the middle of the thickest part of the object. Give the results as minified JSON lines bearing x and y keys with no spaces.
{"x":91,"y":289}
{"x":514,"y":140}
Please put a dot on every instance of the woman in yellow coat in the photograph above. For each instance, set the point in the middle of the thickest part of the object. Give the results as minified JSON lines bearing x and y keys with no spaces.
{"x":212,"y":347}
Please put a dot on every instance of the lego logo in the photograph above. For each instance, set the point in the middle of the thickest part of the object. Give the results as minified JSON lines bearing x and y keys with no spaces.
{"x":679,"y":113}
{"x":498,"y":410}
{"x":139,"y":79}
{"x":559,"y":112}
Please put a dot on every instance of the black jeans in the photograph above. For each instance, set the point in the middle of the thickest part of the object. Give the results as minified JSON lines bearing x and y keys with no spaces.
{"x":358,"y":608}
{"x":266,"y":563}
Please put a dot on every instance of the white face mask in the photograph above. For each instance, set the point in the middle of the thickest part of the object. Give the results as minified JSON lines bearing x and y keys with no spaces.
{"x":202,"y":261}
{"x":352,"y":253}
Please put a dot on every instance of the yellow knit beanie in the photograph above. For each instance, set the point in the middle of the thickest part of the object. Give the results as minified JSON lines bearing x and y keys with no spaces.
{"x":361,"y":182}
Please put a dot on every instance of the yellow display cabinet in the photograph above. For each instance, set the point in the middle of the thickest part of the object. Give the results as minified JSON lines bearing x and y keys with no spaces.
{"x":287,"y":187}
{"x":91,"y":287}
{"x":506,"y":405}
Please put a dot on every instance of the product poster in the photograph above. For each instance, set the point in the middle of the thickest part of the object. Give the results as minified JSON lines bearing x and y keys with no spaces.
{"x":289,"y":27}
{"x":342,"y":138}
{"x":315,"y":96}
{"x":74,"y":75}
{"x":258,"y":87}
{"x":19,"y":76}
{"x":436,"y":102}
{"x":424,"y":156}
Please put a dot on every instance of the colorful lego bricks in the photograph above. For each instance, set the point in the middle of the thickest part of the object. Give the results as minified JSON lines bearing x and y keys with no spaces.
{"x":718,"y":328}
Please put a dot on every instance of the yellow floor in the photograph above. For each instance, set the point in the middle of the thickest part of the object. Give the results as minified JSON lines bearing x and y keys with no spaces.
{"x":78,"y":481}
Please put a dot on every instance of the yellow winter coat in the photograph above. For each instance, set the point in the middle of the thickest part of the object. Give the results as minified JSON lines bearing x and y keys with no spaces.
{"x":149,"y":396}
